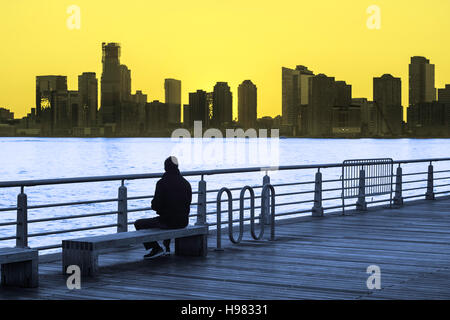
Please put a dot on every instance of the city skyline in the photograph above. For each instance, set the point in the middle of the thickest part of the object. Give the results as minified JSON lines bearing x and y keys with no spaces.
{"x":241,"y":40}
{"x":417,"y":68}
{"x":312,"y":105}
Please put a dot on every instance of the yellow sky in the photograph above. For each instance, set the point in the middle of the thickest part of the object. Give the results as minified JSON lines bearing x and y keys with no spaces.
{"x":204,"y":41}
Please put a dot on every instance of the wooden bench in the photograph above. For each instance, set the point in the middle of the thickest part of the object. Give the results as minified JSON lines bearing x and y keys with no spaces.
{"x":19,"y":267}
{"x":83,"y":252}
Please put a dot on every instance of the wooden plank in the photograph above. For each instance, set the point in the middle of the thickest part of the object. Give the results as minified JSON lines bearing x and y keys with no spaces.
{"x":11,"y":255}
{"x":137,"y":237}
{"x":323,"y":258}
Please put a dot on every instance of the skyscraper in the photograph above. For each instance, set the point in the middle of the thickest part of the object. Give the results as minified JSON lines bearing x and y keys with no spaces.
{"x":45,"y":86}
{"x":51,"y":102}
{"x":421,"y":81}
{"x":322,"y":98}
{"x":88,"y":92}
{"x":222,"y":105}
{"x":294,"y":93}
{"x":187,"y":111}
{"x":156,"y":113}
{"x":172,"y":89}
{"x":111,"y":83}
{"x":247,"y":104}
{"x":125,"y":83}
{"x":387,"y":94}
{"x":198,"y":107}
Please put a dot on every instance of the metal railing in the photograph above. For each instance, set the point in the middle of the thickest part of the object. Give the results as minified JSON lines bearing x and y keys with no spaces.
{"x":305,"y":196}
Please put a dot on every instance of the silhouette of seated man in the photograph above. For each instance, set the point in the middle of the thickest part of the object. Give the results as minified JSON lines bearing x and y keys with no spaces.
{"x":172,"y":200}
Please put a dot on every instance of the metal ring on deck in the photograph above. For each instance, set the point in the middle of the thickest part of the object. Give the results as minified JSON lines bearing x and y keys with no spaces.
{"x":219,"y":214}
{"x":272,"y":208}
{"x":252,"y":212}
{"x":241,"y":220}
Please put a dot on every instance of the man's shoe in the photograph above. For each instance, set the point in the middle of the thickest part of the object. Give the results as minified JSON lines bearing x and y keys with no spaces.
{"x":156,"y":252}
{"x":167,"y":247}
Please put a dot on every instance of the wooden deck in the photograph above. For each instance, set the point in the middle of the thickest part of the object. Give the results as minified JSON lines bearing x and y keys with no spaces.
{"x":319,"y":258}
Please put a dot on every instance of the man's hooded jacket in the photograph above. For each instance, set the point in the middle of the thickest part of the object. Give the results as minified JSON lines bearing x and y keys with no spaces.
{"x":173,"y":197}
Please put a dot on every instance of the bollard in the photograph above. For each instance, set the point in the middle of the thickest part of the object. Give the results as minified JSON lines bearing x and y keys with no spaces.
{"x":201,"y":206}
{"x":265,"y":210}
{"x":361,"y":204}
{"x":430,"y":184}
{"x":22,"y":220}
{"x":122,"y":208}
{"x":317,"y":209}
{"x":398,"y":198}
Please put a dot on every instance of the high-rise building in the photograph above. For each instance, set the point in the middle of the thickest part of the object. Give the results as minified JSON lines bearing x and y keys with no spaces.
{"x":198,"y":106}
{"x":187,"y":116}
{"x":421,"y":81}
{"x":140,"y":100}
{"x":76,"y":113}
{"x":6,"y":114}
{"x":156,"y":113}
{"x":343,"y":94}
{"x":387,"y":94}
{"x":429,"y":119}
{"x":222,"y":105}
{"x":370,"y":117}
{"x":346,"y":120}
{"x":295,"y":92}
{"x":111,"y":83}
{"x":88,"y":91}
{"x":125,"y":83}
{"x":51,"y":102}
{"x":45,"y":86}
{"x":444,"y":94}
{"x":172,"y":89}
{"x":247,"y":104}
{"x":322,"y":97}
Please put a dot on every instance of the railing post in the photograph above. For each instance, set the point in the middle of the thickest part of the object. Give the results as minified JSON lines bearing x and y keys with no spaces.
{"x":430,"y":183}
{"x":122,"y":208}
{"x":317,"y":209}
{"x":265,"y":209}
{"x":398,"y":198}
{"x":361,"y":204}
{"x":201,"y":206}
{"x":22,"y":220}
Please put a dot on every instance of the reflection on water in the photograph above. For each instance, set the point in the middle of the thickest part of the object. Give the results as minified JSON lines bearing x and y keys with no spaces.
{"x":44,"y":158}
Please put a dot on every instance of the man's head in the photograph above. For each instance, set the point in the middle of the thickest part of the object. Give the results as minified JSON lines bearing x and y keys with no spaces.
{"x":171,"y":164}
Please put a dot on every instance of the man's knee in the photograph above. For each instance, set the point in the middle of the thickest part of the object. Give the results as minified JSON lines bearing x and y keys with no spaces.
{"x":138,"y":224}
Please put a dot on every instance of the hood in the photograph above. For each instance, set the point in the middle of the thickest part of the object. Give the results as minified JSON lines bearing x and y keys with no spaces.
{"x":171,"y":165}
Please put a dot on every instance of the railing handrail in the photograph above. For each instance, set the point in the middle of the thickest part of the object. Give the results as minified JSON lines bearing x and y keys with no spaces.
{"x":317,"y":210}
{"x":127,"y":177}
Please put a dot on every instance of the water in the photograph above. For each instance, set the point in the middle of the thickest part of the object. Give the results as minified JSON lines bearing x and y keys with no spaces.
{"x":44,"y":158}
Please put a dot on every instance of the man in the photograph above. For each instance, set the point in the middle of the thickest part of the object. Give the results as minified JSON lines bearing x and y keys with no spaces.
{"x":172,"y":201}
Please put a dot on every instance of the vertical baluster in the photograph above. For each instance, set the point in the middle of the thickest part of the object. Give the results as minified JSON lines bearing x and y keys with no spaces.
{"x":122,"y":208}
{"x":317,"y":210}
{"x":430,"y":183}
{"x":201,"y":206}
{"x":398,"y":198}
{"x":22,"y":220}
{"x":361,"y":204}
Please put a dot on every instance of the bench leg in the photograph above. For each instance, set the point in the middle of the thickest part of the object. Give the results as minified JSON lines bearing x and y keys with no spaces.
{"x":86,"y":260}
{"x":192,"y":246}
{"x":21,"y":274}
